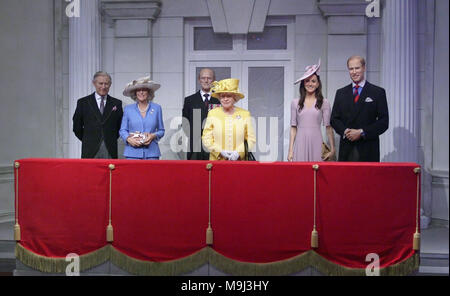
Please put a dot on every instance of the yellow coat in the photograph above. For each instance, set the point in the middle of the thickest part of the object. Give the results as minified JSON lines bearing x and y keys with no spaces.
{"x":227,"y":132}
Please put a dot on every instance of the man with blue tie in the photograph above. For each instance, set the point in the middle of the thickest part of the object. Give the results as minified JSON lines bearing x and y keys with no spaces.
{"x":359,"y":115}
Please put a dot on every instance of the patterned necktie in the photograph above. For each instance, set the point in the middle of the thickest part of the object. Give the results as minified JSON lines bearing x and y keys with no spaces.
{"x":102,"y":105}
{"x":356,"y":94}
{"x":206,"y":100}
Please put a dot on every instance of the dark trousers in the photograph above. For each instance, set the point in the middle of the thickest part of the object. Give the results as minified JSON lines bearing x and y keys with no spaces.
{"x":354,"y":155}
{"x":102,"y":151}
{"x":199,"y":156}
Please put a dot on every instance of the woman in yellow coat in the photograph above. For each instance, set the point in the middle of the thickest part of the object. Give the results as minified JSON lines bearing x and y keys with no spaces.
{"x":228,"y":126}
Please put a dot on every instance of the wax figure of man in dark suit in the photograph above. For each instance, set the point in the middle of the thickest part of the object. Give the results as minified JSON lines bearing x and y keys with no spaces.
{"x":97,"y":120}
{"x":195,"y":111}
{"x":360,"y":115}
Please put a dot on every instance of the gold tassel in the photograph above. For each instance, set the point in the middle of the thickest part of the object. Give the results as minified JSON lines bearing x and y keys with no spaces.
{"x":314,"y":238}
{"x":209,"y":235}
{"x":109,"y":228}
{"x":17,"y":232}
{"x":209,"y":231}
{"x":416,"y":241}
{"x":109,"y":233}
{"x":314,"y":233}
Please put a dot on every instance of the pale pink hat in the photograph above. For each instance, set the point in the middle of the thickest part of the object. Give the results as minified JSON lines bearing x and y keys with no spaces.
{"x":310,"y":70}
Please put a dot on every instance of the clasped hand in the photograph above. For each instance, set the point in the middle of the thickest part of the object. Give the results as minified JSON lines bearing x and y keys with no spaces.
{"x":230,"y":155}
{"x":352,"y":134}
{"x":143,"y":139}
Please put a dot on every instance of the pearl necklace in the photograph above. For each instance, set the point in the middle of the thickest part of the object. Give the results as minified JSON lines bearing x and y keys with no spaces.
{"x":145,"y":108}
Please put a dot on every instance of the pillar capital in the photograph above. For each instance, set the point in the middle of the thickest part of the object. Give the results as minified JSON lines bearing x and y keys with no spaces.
{"x":343,"y":7}
{"x":130,"y":9}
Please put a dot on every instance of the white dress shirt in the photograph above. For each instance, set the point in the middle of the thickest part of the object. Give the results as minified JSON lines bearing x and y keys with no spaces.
{"x":203,"y":97}
{"x":98,"y":98}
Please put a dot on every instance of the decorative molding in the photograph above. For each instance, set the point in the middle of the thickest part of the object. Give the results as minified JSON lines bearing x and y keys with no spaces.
{"x":6,"y":217}
{"x":217,"y":15}
{"x":238,"y":16}
{"x":6,"y":174}
{"x":342,"y":7}
{"x":6,"y":170}
{"x":442,"y":174}
{"x":259,"y":15}
{"x":131,"y":9}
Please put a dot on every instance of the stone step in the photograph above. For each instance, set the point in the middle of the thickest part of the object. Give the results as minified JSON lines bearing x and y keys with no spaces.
{"x":433,"y":264}
{"x":7,"y":257}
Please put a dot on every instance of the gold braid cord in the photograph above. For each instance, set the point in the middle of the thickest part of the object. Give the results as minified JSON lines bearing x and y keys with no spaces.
{"x":416,"y":236}
{"x":209,"y":231}
{"x":109,"y":228}
{"x":314,"y":233}
{"x":16,"y":225}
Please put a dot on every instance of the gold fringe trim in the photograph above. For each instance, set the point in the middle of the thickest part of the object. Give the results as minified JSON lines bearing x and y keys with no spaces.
{"x":406,"y":267}
{"x":58,"y":265}
{"x":239,"y":268}
{"x":303,"y":261}
{"x":209,"y":255}
{"x":173,"y":267}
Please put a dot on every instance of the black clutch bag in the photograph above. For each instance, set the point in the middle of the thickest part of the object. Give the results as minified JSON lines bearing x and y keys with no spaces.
{"x":248,"y":155}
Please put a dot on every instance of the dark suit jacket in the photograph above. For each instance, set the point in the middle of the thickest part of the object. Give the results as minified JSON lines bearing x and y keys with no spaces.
{"x":191,"y":103}
{"x":370,"y":113}
{"x":91,"y":127}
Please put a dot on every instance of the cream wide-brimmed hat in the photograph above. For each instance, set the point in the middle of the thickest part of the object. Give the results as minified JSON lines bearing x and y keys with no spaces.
{"x":229,"y":85}
{"x":310,"y":70}
{"x":140,"y":83}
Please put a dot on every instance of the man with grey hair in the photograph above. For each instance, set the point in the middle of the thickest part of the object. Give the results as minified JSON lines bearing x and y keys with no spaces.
{"x":195,"y":111}
{"x":360,"y":115}
{"x":97,"y":120}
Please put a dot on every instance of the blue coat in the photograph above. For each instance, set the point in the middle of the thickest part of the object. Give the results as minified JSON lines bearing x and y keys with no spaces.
{"x":132,"y":121}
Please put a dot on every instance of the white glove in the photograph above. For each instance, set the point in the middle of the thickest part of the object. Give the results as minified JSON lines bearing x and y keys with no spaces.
{"x":226,"y":154}
{"x":234,"y":155}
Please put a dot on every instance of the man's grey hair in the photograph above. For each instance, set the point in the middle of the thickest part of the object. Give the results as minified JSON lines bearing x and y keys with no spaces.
{"x":102,"y":73}
{"x":208,"y":69}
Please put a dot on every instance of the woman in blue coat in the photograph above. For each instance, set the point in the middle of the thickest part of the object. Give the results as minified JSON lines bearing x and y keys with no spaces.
{"x":142,"y":123}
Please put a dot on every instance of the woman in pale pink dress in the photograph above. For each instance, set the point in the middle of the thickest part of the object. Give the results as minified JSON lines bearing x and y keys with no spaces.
{"x":307,"y":115}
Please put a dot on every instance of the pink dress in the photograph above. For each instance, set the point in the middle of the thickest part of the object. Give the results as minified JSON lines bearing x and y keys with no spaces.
{"x":308,"y":140}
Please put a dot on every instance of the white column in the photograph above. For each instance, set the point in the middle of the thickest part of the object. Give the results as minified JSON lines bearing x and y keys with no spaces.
{"x":84,"y":60}
{"x":399,"y":76}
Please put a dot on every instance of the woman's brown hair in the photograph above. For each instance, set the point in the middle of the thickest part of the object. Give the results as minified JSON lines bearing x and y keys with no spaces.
{"x":318,"y":94}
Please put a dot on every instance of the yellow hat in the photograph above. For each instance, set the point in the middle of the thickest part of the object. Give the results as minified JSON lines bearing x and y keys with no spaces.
{"x":230,"y":85}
